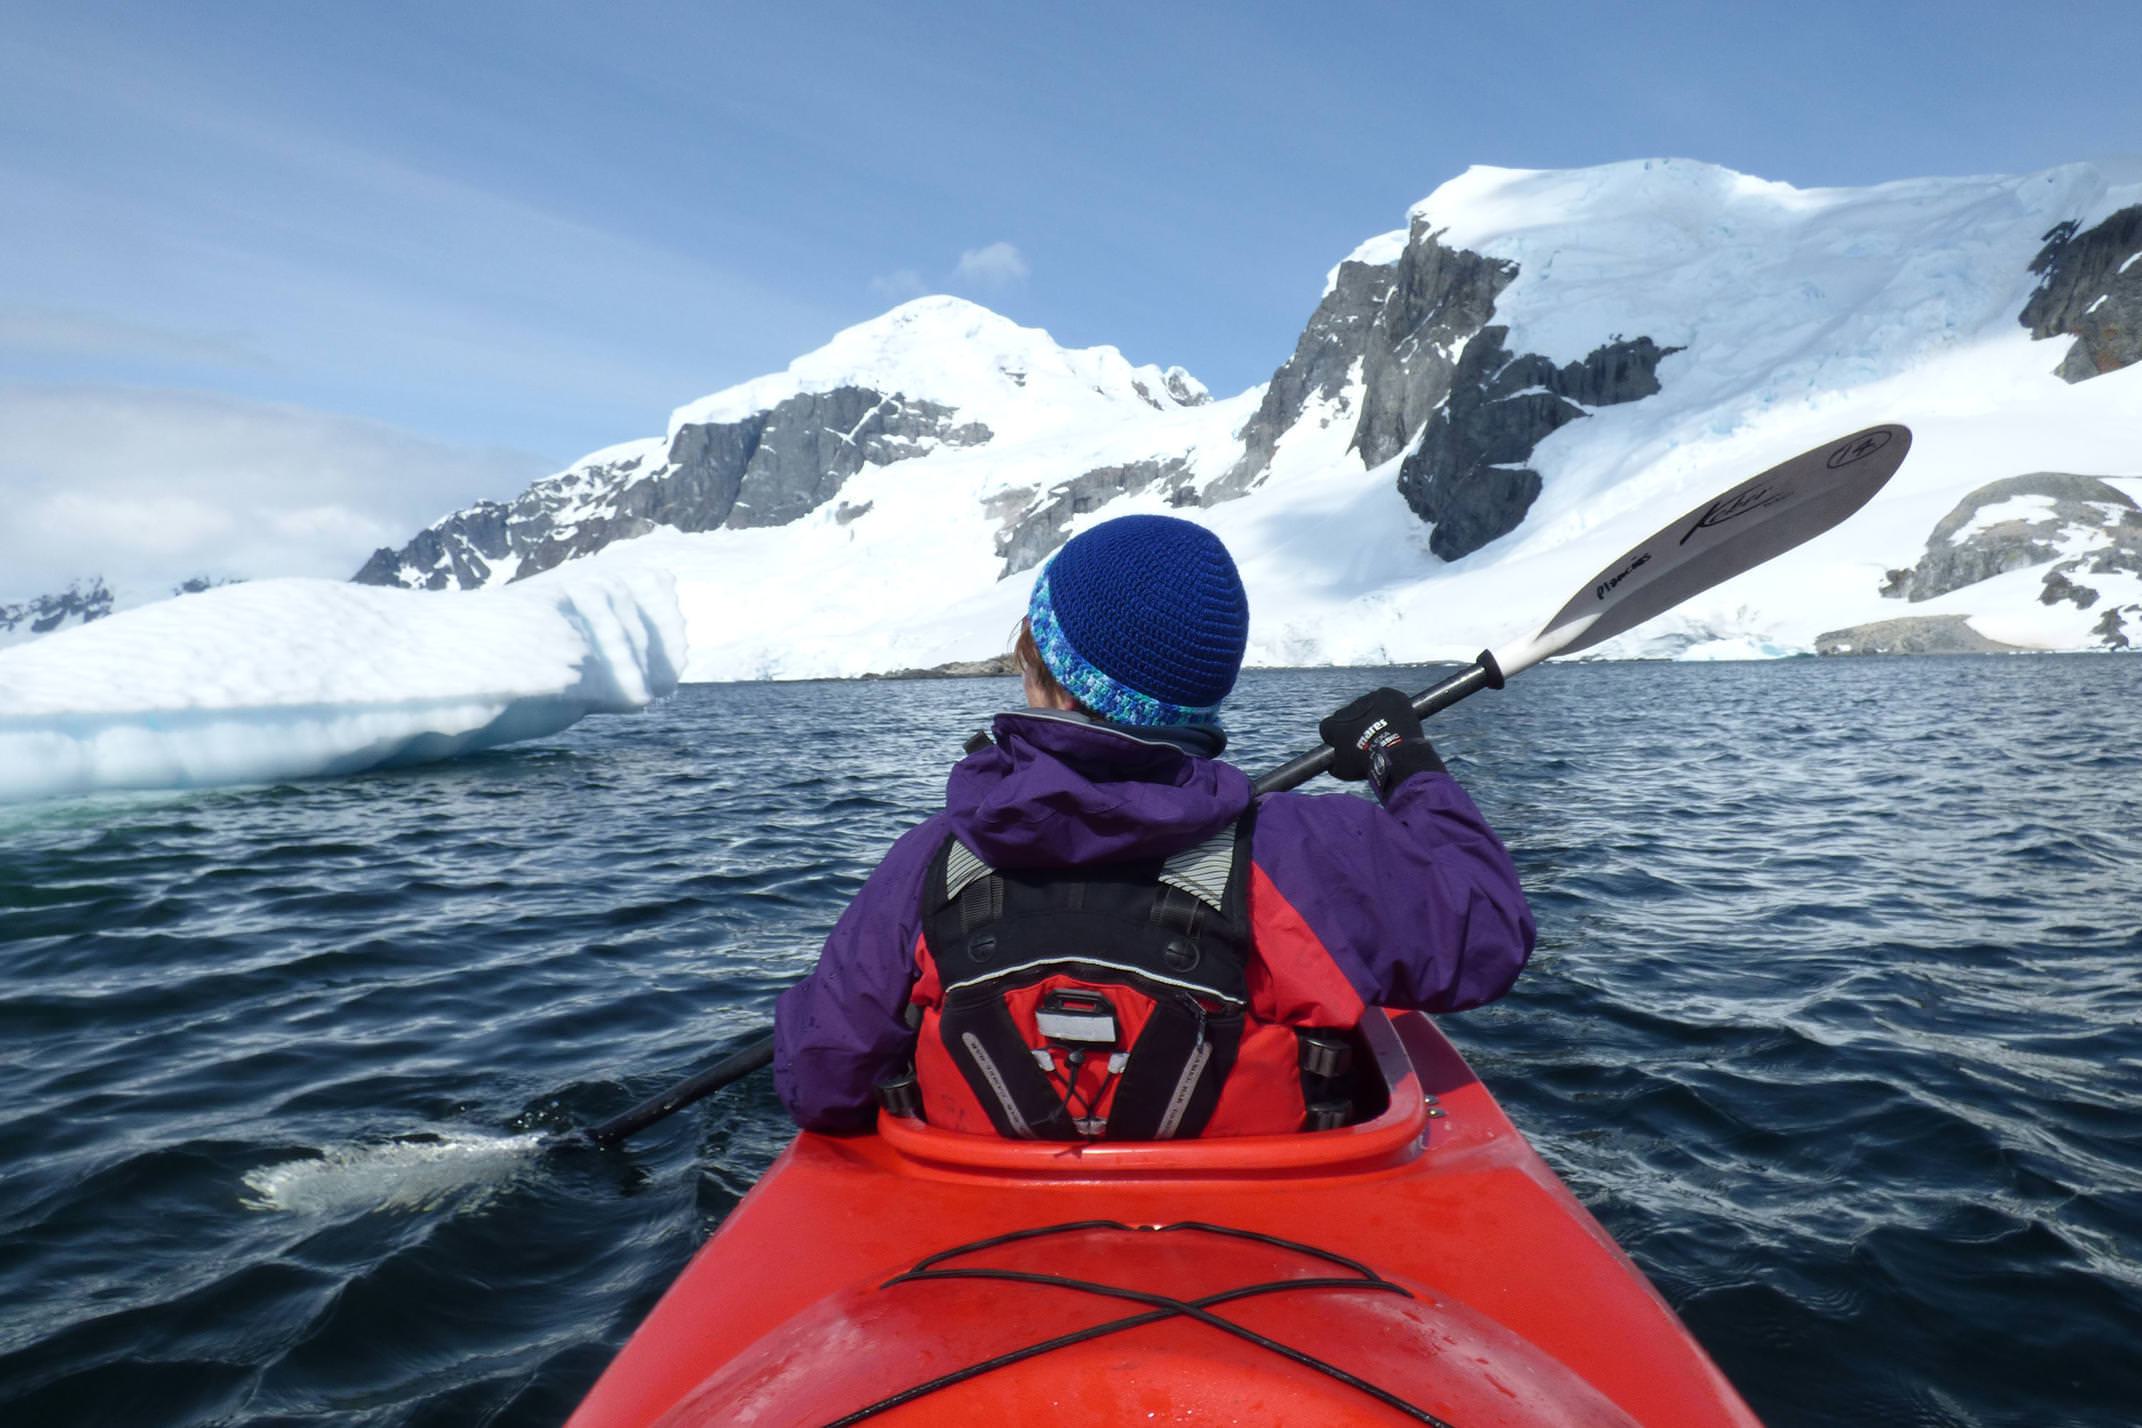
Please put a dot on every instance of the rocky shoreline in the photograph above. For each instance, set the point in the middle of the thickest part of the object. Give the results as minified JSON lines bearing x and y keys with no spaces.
{"x":1912,"y":635}
{"x":1909,"y":637}
{"x":1003,"y":666}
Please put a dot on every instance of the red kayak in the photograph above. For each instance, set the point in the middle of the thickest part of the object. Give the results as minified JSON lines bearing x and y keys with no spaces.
{"x":1423,"y":1265}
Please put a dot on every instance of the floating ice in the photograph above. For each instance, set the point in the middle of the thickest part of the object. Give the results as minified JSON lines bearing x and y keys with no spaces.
{"x":282,"y":679}
{"x":1738,"y":647}
{"x":396,"y":1175}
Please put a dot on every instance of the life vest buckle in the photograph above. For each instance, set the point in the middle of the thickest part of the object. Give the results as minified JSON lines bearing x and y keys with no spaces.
{"x":1075,"y":1018}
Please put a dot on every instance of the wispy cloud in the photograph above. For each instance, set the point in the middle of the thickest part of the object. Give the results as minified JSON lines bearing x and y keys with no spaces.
{"x":995,"y":265}
{"x":151,"y":487}
{"x":377,"y":273}
{"x":44,"y":331}
{"x":898,"y":285}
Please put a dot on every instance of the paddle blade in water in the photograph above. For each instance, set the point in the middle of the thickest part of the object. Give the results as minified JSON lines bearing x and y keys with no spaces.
{"x":394,"y":1175}
{"x":1764,"y":516}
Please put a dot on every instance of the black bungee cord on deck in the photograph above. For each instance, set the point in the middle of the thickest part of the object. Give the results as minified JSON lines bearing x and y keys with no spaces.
{"x":1165,"y":1307}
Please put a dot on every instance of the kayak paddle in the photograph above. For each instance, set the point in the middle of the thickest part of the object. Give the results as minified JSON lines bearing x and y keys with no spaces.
{"x":1761,"y":518}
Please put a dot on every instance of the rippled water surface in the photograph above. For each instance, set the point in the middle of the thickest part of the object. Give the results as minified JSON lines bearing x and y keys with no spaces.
{"x":1836,"y":1023}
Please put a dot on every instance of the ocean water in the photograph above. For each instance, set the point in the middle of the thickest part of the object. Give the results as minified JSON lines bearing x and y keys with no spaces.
{"x":1836,"y":1023}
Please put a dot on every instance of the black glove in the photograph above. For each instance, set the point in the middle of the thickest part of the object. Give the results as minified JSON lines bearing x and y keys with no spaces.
{"x":1378,"y":735}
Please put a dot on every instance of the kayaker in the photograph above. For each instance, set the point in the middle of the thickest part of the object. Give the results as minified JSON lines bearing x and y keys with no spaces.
{"x":1100,"y":936}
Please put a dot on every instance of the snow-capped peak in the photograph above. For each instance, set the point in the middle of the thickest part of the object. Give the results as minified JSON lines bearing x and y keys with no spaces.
{"x":1534,"y":370}
{"x":1015,"y":380}
{"x":1703,"y":257}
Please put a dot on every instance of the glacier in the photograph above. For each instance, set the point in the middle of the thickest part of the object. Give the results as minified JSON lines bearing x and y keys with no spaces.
{"x":1776,"y":318}
{"x":285,"y":679}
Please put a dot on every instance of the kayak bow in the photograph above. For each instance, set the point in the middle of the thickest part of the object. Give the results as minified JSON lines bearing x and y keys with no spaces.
{"x":1423,"y":1265}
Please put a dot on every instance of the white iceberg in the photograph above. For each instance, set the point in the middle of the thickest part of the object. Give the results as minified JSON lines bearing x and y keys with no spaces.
{"x":282,"y":679}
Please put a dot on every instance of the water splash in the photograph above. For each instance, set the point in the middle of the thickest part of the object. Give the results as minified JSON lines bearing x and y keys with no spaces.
{"x":396,"y":1175}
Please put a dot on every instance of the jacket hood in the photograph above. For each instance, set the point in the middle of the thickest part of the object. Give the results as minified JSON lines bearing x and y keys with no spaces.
{"x":1060,"y":790}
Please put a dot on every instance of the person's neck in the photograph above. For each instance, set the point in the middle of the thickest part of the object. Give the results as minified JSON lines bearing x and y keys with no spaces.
{"x":1204,"y":741}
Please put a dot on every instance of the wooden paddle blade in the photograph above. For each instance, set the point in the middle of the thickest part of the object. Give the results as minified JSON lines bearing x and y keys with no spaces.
{"x":1761,"y":518}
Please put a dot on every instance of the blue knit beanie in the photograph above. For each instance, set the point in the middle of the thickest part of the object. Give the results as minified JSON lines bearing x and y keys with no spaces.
{"x":1143,"y":620}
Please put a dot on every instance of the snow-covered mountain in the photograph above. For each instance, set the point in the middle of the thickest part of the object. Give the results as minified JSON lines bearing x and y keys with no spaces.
{"x":933,"y":377}
{"x":84,"y":601}
{"x":77,"y":605}
{"x":1483,"y":407}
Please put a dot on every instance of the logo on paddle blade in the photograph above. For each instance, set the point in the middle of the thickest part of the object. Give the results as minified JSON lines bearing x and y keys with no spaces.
{"x":1607,"y":585}
{"x":1859,"y":449}
{"x":1733,"y":506}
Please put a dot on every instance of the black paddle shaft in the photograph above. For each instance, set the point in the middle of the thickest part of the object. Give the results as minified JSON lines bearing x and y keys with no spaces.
{"x":734,"y":1067}
{"x":1483,"y":673}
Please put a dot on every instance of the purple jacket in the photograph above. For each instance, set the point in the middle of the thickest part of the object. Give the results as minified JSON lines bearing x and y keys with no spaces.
{"x":1415,"y":902}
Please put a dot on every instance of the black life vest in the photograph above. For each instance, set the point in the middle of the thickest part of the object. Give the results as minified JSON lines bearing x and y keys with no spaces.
{"x":1096,"y":1002}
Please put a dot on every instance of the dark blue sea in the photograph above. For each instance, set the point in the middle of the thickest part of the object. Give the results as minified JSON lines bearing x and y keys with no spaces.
{"x":1836,"y":1023}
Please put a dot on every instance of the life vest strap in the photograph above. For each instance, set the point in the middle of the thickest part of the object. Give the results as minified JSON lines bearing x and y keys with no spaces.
{"x":1172,"y":934}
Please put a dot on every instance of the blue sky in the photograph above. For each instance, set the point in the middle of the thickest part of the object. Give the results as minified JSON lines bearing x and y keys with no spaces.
{"x":426,"y":252}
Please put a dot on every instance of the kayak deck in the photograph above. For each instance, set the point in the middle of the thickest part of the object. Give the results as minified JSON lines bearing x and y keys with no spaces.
{"x":1423,"y":1266}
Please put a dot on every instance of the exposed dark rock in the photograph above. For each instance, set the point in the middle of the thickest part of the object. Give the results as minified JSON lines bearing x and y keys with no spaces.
{"x":1911,"y":635}
{"x":2110,"y":628}
{"x":808,"y":446}
{"x":1468,"y":476}
{"x":994,"y":667}
{"x":1432,"y":371}
{"x":81,"y":602}
{"x":538,"y":528}
{"x":1185,"y":389}
{"x":2058,"y":588}
{"x":2071,"y":505}
{"x":1035,"y":522}
{"x":2090,"y":288}
{"x":1439,"y":297}
{"x":1401,"y":325}
{"x":1181,"y":388}
{"x":455,"y":552}
{"x":200,"y":583}
{"x":767,"y":469}
{"x":1335,"y":338}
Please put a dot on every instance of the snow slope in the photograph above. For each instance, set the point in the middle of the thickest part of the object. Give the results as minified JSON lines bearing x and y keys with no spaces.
{"x":914,"y":581}
{"x":1013,"y":379}
{"x":1382,"y":607}
{"x":1801,"y":315}
{"x":286,"y":679}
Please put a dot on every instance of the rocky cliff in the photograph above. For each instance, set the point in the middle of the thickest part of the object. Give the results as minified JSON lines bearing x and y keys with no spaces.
{"x":1407,"y":348}
{"x":1911,"y":635}
{"x":2090,"y":288}
{"x":767,"y":469}
{"x":1469,"y":477}
{"x":2078,"y":528}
